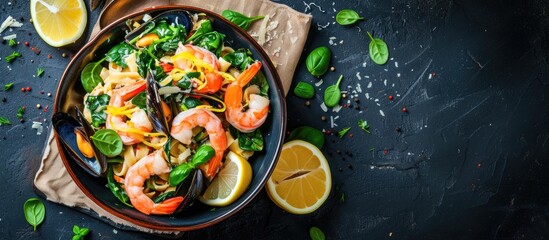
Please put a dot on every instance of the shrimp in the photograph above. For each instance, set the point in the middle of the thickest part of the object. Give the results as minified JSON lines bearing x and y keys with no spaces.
{"x":152,"y":164}
{"x":249,"y":120}
{"x":139,"y":118}
{"x":204,"y":59}
{"x":182,"y":130}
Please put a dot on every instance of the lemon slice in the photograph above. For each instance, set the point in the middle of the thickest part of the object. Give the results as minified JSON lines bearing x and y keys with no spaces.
{"x":59,"y":22}
{"x":301,"y":180}
{"x":230,"y":183}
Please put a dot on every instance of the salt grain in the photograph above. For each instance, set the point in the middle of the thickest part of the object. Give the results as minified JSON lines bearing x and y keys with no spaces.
{"x":369,"y":85}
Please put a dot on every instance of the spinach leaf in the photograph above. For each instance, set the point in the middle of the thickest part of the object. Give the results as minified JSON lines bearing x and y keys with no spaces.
{"x":251,"y":141}
{"x":316,"y":234}
{"x":119,"y":53}
{"x":318,"y":60}
{"x":35,"y":211}
{"x":240,"y":19}
{"x":241,"y":58}
{"x":140,"y":100}
{"x":186,"y":82}
{"x":308,"y":134}
{"x":205,"y":27}
{"x":379,"y":53}
{"x":91,"y":76}
{"x":190,"y":102}
{"x":304,"y":90}
{"x":108,"y":142}
{"x":116,"y":189}
{"x":163,"y":196}
{"x":97,"y":106}
{"x":169,"y":35}
{"x":144,"y":61}
{"x":260,"y":80}
{"x":347,"y":17}
{"x":212,"y":41}
{"x":332,"y":94}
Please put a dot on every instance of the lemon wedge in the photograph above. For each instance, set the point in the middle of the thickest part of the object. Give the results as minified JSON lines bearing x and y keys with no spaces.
{"x":230,"y":183}
{"x":59,"y":22}
{"x":301,"y":181}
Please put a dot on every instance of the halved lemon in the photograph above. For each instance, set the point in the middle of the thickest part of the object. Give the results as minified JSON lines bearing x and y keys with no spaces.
{"x":301,"y":180}
{"x":59,"y":22}
{"x":230,"y":183}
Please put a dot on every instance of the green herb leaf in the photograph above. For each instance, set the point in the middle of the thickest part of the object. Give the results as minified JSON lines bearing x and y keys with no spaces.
{"x":108,"y":142}
{"x":35,"y":211}
{"x":8,"y":86}
{"x":347,"y":17}
{"x":116,"y":189}
{"x":240,"y":19}
{"x":241,"y":58}
{"x":316,"y":234}
{"x":205,"y":27}
{"x":343,"y":132}
{"x":163,"y":196}
{"x":304,"y":90}
{"x":39,"y":71}
{"x":308,"y":134}
{"x":20,"y":112}
{"x":91,"y":76}
{"x":379,"y":53}
{"x":332,"y":94}
{"x":318,"y":60}
{"x":202,"y":155}
{"x":13,"y":56}
{"x":79,"y":233}
{"x":12,"y":42}
{"x":251,"y":141}
{"x":4,"y":121}
{"x":75,"y":229}
{"x":364,"y":125}
{"x":119,"y":53}
{"x":212,"y":41}
{"x":97,"y":106}
{"x":342,"y":198}
{"x":140,"y":100}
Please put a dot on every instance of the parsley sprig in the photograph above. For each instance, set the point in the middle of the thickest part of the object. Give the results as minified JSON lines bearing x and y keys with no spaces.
{"x":13,"y":56}
{"x":39,"y":71}
{"x":364,"y":125}
{"x":343,"y":132}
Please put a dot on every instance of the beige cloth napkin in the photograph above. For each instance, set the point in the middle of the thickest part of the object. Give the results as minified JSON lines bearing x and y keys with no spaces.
{"x":285,"y":39}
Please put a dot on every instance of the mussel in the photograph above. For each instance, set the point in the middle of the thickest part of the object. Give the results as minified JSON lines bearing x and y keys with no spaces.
{"x":190,"y":189}
{"x":154,"y":106}
{"x":175,"y":17}
{"x":67,"y":128}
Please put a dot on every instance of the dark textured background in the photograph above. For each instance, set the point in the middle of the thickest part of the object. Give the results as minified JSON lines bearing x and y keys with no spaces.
{"x":470,"y":162}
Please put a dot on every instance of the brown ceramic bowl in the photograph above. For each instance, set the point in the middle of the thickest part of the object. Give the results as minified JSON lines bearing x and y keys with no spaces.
{"x":70,"y":92}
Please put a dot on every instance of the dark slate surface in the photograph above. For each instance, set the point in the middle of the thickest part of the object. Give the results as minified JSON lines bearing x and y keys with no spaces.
{"x":470,"y":162}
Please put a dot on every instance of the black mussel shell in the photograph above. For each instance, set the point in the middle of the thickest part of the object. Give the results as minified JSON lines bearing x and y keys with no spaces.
{"x":66,"y":127}
{"x":154,"y":106}
{"x":190,"y":189}
{"x":178,"y":17}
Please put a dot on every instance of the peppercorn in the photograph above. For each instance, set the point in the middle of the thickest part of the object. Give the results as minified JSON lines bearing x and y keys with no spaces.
{"x":28,"y":89}
{"x":38,"y":106}
{"x":404,"y":109}
{"x":332,"y":68}
{"x":307,"y":103}
{"x":391,"y":98}
{"x":323,"y":118}
{"x":398,"y":129}
{"x":338,"y":151}
{"x":357,"y":107}
{"x":4,"y":99}
{"x":343,"y":95}
{"x":356,"y":100}
{"x":22,"y":89}
{"x":49,"y":94}
{"x":27,"y":44}
{"x":49,"y":55}
{"x":350,"y":166}
{"x":64,"y":55}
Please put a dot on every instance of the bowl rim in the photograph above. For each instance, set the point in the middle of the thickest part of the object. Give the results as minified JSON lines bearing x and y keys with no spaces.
{"x":282,"y":117}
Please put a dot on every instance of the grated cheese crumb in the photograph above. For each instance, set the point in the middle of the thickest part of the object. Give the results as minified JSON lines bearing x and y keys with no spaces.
{"x":358,"y":75}
{"x":323,"y":107}
{"x":319,"y":83}
{"x":381,"y":113}
{"x":336,"y":108}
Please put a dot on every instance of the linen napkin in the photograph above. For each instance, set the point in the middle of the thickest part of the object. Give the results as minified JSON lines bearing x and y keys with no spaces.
{"x":284,"y":40}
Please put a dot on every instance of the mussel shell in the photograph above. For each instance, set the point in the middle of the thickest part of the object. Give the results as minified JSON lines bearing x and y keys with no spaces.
{"x":175,"y":16}
{"x":154,"y":106}
{"x":190,"y":189}
{"x":65,"y":127}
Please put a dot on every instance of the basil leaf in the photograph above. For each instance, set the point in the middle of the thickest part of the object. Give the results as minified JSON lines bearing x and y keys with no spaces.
{"x":4,"y":121}
{"x":116,"y":189}
{"x":240,"y":19}
{"x":308,"y":134}
{"x":332,"y":94}
{"x":251,"y":141}
{"x":180,"y":173}
{"x":318,"y":60}
{"x":379,"y":53}
{"x":75,"y":229}
{"x":119,"y":53}
{"x":97,"y":106}
{"x":203,"y":154}
{"x":304,"y":90}
{"x":91,"y":76}
{"x":35,"y":211}
{"x":316,"y":234}
{"x":241,"y":58}
{"x":108,"y":142}
{"x":347,"y":17}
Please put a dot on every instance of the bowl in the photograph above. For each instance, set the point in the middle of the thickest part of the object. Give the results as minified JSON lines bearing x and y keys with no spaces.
{"x":70,"y":92}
